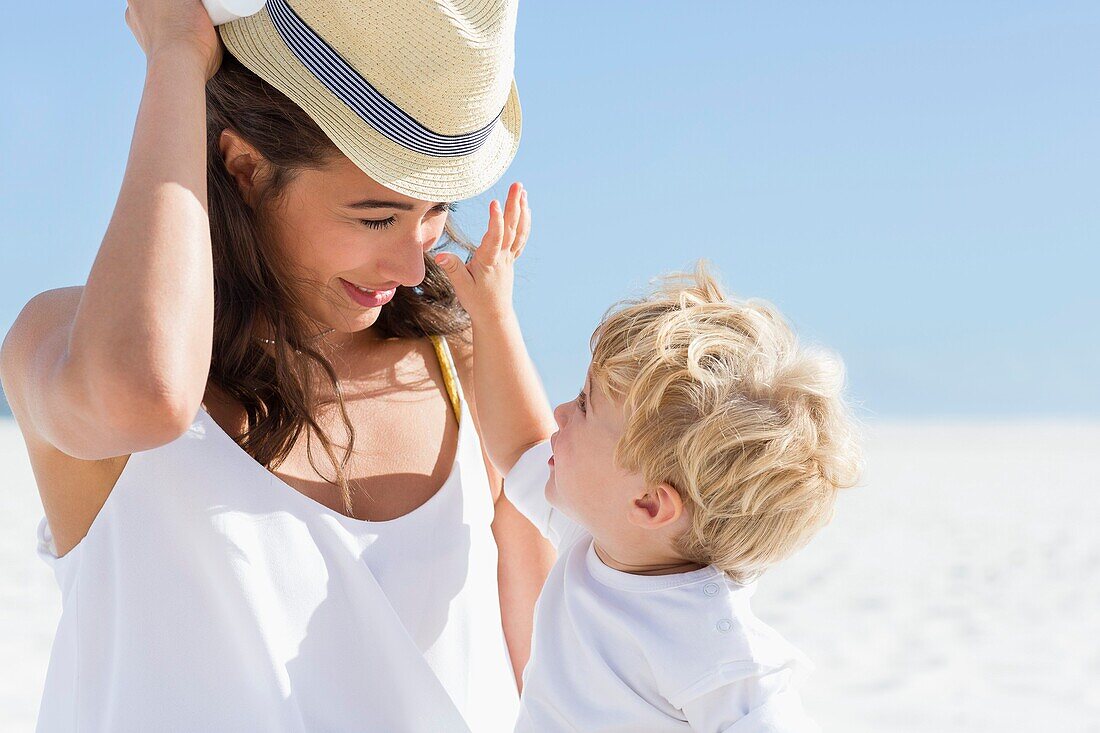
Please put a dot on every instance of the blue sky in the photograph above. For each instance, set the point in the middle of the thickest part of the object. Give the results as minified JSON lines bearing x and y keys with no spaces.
{"x":915,"y":184}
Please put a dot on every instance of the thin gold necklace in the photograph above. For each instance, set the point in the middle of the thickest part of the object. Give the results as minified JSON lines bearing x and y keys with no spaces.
{"x":271,"y":341}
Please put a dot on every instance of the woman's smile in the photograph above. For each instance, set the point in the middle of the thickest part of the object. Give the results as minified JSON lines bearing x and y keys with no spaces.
{"x":367,"y":298}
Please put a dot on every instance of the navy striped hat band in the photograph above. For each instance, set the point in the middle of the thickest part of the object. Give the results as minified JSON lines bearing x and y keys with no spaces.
{"x":357,"y":93}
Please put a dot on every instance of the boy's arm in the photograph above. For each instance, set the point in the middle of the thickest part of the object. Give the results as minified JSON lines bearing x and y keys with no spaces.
{"x":513,"y":409}
{"x":524,"y":555}
{"x":515,"y":413}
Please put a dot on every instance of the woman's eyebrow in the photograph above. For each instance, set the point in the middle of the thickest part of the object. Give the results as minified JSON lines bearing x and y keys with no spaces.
{"x":379,"y":204}
{"x":383,"y":204}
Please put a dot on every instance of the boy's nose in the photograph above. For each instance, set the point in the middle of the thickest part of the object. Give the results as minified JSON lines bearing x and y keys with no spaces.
{"x":560,"y":414}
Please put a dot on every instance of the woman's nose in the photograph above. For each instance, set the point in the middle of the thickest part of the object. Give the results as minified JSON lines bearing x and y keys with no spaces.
{"x":407,"y":265}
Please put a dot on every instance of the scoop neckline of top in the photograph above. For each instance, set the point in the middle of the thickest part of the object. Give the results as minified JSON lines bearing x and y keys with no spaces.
{"x":317,"y":506}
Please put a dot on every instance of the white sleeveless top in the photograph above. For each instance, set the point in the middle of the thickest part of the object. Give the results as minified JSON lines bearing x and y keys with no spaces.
{"x":209,"y":595}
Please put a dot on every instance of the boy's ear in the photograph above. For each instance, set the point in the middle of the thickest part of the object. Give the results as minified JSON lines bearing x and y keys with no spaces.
{"x":659,"y":506}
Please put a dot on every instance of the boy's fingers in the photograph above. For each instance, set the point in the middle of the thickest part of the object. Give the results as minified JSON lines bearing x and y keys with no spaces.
{"x":524,"y":226}
{"x":456,"y":272}
{"x":511,"y":214}
{"x":494,"y":234}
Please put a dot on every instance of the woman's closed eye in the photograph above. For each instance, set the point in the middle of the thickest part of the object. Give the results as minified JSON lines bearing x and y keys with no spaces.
{"x":582,"y":403}
{"x":378,"y":223}
{"x":442,"y":208}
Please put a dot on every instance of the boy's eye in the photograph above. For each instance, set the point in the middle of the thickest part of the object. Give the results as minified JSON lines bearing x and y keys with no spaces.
{"x":378,"y":223}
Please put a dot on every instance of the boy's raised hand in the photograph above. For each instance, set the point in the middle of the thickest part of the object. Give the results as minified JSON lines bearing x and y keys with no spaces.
{"x":484,"y":284}
{"x":512,"y":409}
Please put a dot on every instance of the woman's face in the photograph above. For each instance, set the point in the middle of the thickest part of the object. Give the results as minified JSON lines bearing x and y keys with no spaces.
{"x":354,"y":240}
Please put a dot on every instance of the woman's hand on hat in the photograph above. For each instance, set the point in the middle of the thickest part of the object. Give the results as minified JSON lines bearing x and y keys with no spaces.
{"x":168,"y":26}
{"x":484,"y":284}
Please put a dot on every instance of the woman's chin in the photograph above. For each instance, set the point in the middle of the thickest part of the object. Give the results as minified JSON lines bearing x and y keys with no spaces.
{"x":367,"y":318}
{"x":354,"y":321}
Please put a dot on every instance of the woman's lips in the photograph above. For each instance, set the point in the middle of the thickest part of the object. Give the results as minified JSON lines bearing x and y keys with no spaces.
{"x":368,"y":298}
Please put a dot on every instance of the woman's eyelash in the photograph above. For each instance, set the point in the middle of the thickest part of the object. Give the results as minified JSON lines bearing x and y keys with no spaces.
{"x":383,"y":223}
{"x":582,"y":403}
{"x":378,"y":223}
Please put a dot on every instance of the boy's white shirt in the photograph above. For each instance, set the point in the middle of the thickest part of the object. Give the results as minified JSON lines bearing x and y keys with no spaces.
{"x":613,"y":651}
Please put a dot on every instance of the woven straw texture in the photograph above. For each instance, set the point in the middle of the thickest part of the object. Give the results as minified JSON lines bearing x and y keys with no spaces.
{"x":447,"y":64}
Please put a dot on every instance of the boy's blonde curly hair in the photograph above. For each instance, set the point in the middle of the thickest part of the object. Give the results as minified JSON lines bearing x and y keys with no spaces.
{"x":722,"y":403}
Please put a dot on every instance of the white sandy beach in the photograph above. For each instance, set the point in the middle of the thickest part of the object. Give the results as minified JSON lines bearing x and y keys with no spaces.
{"x":958,"y":589}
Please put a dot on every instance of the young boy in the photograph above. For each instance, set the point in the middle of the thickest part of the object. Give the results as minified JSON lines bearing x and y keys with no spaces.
{"x":705,"y":446}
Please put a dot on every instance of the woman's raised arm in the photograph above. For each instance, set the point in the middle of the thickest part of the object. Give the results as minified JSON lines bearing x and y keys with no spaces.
{"x":121,"y":364}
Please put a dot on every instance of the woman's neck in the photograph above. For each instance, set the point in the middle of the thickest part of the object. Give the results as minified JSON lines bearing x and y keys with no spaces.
{"x":326,"y":340}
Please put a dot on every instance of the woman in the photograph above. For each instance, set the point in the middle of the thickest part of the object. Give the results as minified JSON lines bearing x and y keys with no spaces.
{"x":265,"y":498}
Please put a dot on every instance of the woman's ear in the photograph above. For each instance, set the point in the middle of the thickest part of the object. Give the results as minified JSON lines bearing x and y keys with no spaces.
{"x":241,"y":161}
{"x":658,"y":507}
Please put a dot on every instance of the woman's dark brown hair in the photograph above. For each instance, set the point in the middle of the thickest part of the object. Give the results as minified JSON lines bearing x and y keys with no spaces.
{"x":283,"y":389}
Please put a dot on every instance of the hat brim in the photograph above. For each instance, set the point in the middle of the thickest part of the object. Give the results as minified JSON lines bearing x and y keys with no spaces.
{"x":257,"y":44}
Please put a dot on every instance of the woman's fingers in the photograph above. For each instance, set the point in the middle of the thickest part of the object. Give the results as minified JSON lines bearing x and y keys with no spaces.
{"x":524,"y":226}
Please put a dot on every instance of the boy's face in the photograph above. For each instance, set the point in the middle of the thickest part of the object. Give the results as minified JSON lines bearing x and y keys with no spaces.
{"x":585,"y":482}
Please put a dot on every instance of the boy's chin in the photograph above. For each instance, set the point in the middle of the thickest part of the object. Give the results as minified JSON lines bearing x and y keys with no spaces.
{"x":548,"y":491}
{"x":556,"y":501}
{"x":551,"y":493}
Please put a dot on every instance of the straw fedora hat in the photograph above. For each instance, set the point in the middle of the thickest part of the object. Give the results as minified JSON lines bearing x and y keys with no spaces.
{"x":419,"y":94}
